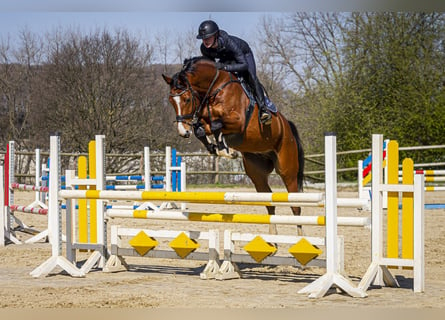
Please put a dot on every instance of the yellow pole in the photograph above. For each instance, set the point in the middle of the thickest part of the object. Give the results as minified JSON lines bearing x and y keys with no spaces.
{"x":408,"y":211}
{"x":367,"y":179}
{"x":83,"y":217}
{"x":393,"y":201}
{"x":93,"y":203}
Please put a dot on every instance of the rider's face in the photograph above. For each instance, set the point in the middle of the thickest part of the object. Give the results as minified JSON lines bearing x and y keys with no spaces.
{"x":209,"y":42}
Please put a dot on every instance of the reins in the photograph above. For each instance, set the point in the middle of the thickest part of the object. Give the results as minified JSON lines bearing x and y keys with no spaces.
{"x":196,"y":111}
{"x":204,"y":101}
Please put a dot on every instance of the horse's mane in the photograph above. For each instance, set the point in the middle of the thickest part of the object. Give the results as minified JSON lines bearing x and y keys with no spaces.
{"x":189,"y":64}
{"x":179,"y":80}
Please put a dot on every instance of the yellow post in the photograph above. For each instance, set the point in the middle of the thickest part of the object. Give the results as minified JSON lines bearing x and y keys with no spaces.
{"x":408,"y":211}
{"x":93,"y":203}
{"x":83,"y":217}
{"x":367,"y":179}
{"x":393,"y":201}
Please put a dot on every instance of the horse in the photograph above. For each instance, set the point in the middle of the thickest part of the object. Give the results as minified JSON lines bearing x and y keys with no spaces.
{"x":208,"y":101}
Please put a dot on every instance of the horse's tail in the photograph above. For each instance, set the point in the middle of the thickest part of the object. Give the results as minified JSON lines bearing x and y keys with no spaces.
{"x":300,"y":175}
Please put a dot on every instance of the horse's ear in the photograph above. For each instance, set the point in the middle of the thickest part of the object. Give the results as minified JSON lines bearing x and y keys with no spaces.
{"x":167,"y":79}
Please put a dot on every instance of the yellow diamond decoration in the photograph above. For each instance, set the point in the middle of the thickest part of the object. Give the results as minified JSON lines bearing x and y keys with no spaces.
{"x":304,"y":251}
{"x":142,"y":243}
{"x":259,"y":249}
{"x":183,"y":245}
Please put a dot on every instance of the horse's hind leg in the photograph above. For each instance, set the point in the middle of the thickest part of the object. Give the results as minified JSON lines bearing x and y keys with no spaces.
{"x":258,"y":168}
{"x":287,"y":167}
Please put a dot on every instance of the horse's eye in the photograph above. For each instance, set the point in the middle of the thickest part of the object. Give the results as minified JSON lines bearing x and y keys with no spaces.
{"x":187,"y":100}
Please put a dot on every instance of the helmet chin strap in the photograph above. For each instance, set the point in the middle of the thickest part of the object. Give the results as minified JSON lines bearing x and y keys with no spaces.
{"x":214,"y":40}
{"x":212,"y":44}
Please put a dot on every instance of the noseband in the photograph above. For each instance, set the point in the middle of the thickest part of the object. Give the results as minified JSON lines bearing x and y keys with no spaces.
{"x":196,"y":110}
{"x":183,"y":118}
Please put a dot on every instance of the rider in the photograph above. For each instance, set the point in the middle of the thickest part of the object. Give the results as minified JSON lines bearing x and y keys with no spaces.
{"x":234,"y":55}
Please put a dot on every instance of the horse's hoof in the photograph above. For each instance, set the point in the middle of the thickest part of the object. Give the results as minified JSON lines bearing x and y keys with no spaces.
{"x":233,"y":153}
{"x":228,"y":153}
{"x":223,"y":153}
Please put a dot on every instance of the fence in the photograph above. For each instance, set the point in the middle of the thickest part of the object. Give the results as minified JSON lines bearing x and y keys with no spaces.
{"x":203,"y":168}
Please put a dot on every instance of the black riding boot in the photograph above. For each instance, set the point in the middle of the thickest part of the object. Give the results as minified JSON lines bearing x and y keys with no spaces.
{"x":201,"y":135}
{"x":265,"y":115}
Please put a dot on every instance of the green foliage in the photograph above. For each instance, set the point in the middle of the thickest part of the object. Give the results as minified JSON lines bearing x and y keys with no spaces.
{"x":364,"y":73}
{"x":394,"y":79}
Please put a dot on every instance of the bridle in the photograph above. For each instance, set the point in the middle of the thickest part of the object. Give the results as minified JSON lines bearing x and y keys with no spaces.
{"x":195,"y":96}
{"x":196,"y":113}
{"x":196,"y":109}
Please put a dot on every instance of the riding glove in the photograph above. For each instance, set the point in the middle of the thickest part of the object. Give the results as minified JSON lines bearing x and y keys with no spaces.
{"x":220,"y":66}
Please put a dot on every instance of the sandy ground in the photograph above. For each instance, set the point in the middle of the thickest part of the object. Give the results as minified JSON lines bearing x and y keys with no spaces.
{"x":162,"y":283}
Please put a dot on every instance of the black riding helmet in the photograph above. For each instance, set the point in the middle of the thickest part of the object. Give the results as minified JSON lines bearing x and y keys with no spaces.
{"x":207,"y":29}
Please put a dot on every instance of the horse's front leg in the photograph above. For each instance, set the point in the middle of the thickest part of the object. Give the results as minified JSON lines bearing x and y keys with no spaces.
{"x":222,"y":147}
{"x":200,"y":133}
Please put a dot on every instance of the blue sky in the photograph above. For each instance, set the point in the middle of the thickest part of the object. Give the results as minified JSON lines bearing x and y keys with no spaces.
{"x":239,"y":17}
{"x":144,"y":25}
{"x":242,"y":24}
{"x":142,"y":17}
{"x":150,"y":18}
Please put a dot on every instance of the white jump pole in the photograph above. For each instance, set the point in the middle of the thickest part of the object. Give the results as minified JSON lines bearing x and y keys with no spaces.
{"x":99,"y":255}
{"x":361,"y":192}
{"x":37,"y":202}
{"x":183,"y":183}
{"x":10,"y":218}
{"x":37,"y":175}
{"x":147,"y":172}
{"x":31,"y":208}
{"x":419,"y":233}
{"x":55,"y":220}
{"x":332,"y":277}
{"x":168,"y":172}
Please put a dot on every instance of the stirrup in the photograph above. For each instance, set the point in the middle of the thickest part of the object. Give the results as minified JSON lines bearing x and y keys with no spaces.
{"x":265,"y":117}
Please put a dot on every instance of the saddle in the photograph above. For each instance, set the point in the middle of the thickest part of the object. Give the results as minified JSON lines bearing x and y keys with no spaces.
{"x":234,"y":140}
{"x":248,"y":91}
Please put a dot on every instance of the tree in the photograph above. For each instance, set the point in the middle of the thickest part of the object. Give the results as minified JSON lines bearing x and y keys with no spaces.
{"x":97,"y":84}
{"x":395,"y":78}
{"x":186,"y":46}
{"x":363,"y":73}
{"x":103,"y":83}
{"x":19,"y":66}
{"x":308,"y":48}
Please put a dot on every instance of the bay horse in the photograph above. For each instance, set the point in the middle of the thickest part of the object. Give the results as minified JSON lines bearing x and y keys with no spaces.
{"x":208,"y":101}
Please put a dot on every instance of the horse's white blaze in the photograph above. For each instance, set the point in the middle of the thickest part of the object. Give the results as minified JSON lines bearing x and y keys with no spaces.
{"x":181,"y":129}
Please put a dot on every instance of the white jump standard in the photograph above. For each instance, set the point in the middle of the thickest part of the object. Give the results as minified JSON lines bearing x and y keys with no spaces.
{"x":55,"y":220}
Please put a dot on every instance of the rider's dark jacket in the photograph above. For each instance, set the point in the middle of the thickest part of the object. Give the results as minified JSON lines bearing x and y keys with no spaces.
{"x":232,"y":51}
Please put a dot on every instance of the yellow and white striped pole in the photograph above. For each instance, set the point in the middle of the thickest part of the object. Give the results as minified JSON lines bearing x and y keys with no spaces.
{"x":235,"y":218}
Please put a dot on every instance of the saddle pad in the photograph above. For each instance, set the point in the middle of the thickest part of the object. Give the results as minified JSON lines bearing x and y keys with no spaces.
{"x":269,"y":104}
